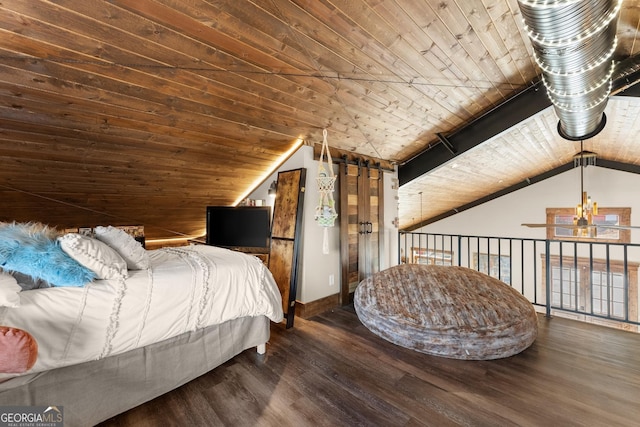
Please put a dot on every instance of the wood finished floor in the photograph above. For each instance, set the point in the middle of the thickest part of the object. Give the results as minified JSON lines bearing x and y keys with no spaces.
{"x":331,"y":371}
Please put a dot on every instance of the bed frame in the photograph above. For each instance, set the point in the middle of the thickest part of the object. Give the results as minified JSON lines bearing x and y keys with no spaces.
{"x":95,"y":391}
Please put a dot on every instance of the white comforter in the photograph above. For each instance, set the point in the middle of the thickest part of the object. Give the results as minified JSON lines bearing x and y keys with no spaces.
{"x":186,"y":288}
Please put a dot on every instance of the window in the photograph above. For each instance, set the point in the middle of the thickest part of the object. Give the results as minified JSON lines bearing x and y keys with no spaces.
{"x":493,"y":265}
{"x":611,"y":292}
{"x":564,"y":287}
{"x":594,"y":291}
{"x":431,"y":256}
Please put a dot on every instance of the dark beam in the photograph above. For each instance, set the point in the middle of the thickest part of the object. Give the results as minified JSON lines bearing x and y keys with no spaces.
{"x":511,"y":112}
{"x":626,"y":76}
{"x":443,"y":139}
{"x":632,"y":89}
{"x":619,"y":166}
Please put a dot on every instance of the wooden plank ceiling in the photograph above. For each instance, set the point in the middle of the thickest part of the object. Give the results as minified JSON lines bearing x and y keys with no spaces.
{"x":145,"y":112}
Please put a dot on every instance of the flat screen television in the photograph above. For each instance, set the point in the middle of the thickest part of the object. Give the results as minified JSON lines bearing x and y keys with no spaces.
{"x":241,"y":227}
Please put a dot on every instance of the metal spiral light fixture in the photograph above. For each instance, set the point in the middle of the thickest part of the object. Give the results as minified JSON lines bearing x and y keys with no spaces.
{"x":573,"y":43}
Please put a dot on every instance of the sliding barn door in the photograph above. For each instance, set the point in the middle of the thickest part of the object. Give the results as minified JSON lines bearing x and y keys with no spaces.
{"x":286,"y":230}
{"x":361,"y":219}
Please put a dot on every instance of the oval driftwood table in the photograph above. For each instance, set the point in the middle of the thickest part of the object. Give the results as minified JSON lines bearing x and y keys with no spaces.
{"x":446,"y":311}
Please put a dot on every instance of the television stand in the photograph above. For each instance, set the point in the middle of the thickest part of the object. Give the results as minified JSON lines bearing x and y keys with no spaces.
{"x":261,"y":253}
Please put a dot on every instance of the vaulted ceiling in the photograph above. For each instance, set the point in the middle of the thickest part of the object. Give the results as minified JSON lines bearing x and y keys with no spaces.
{"x":142,"y":111}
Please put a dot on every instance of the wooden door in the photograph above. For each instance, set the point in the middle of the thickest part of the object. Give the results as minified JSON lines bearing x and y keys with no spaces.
{"x":369,"y":223}
{"x":361,"y":219}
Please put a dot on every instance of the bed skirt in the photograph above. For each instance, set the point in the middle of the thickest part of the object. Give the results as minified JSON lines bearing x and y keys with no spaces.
{"x":96,"y":391}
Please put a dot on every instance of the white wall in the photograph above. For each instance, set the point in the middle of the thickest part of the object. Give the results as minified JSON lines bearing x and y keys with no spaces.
{"x":389,"y":235}
{"x":314,"y":281}
{"x":502,"y":217}
{"x":320,"y":272}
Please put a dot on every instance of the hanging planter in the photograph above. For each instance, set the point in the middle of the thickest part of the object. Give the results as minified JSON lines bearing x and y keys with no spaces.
{"x":325,"y":214}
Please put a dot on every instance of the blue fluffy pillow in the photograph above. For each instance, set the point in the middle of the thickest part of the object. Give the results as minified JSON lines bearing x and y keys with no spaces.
{"x":32,"y":249}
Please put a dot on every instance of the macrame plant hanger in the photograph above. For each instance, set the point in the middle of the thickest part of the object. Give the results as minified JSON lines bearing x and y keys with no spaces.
{"x":326,"y":213}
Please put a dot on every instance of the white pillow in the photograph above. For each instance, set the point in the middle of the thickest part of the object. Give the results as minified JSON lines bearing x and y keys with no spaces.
{"x":129,"y":248}
{"x":9,"y":290}
{"x":98,"y":257}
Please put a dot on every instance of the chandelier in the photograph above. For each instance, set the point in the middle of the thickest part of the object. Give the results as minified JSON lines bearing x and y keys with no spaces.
{"x":587,"y":208}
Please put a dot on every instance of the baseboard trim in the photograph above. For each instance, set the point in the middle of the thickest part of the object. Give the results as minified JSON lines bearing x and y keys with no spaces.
{"x":312,"y":308}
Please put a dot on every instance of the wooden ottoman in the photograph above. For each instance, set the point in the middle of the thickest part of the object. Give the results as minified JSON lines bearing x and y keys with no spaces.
{"x":452,"y":312}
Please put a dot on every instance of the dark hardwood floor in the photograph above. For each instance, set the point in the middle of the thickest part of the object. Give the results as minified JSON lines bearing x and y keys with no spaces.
{"x":331,"y":371}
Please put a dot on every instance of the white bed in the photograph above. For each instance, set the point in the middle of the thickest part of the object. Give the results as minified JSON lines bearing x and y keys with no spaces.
{"x":113,"y":344}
